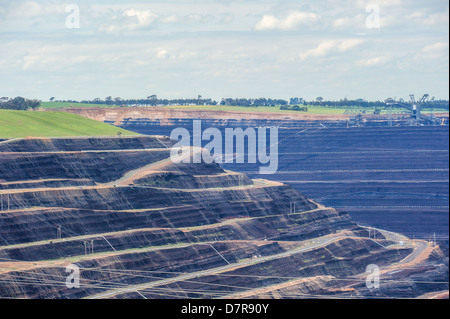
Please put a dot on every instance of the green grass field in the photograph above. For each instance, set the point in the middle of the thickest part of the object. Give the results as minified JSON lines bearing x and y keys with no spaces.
{"x":262,"y":109}
{"x":14,"y":124}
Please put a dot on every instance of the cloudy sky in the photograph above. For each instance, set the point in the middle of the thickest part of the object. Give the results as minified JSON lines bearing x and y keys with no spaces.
{"x":224,"y":48}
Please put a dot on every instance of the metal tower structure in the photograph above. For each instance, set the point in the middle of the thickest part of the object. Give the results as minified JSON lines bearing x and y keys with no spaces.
{"x":414,"y":108}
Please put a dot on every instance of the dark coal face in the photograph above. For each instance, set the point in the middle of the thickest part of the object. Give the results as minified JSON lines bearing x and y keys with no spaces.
{"x":395,"y":178}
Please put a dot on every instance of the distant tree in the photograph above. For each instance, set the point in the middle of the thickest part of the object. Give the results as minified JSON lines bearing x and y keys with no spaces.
{"x":19,"y":103}
{"x":108,"y":100}
{"x":294,"y":108}
{"x":33,"y":104}
{"x":294,"y":100}
{"x":52,"y":99}
{"x":319,"y":99}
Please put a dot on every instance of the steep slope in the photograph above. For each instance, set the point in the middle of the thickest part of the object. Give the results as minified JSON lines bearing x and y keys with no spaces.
{"x":136,"y":224}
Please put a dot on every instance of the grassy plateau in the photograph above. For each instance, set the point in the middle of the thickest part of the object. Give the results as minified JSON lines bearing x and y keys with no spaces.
{"x":229,"y":108}
{"x":15,"y":124}
{"x":312,"y":109}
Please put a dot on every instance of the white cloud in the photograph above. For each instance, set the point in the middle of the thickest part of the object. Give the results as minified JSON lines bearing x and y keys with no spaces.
{"x":438,"y":19}
{"x":171,"y":19}
{"x":381,"y":3}
{"x":221,"y":48}
{"x":331,"y":46}
{"x":438,"y":47}
{"x":162,"y":54}
{"x":348,"y":44}
{"x":144,"y":17}
{"x":186,"y":19}
{"x":45,"y":61}
{"x":129,"y":20}
{"x":225,"y":18}
{"x":373,"y":61}
{"x":342,"y":22}
{"x":435,"y":50}
{"x":291,"y":22}
{"x":32,"y":9}
{"x":321,"y":50}
{"x":355,"y":23}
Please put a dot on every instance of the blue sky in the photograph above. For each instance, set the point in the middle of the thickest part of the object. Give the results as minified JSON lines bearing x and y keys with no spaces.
{"x":225,"y":48}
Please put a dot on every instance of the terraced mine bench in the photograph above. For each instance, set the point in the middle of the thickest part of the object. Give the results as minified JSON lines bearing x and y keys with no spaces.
{"x":181,"y":230}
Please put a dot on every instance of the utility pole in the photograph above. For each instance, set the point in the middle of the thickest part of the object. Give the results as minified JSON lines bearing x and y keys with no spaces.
{"x":92,"y":246}
{"x":58,"y":233}
{"x":85,"y":247}
{"x":292,"y":207}
{"x":434,"y":236}
{"x":390,"y":110}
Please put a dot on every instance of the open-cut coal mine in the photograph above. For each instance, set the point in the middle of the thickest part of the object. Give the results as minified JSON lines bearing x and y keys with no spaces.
{"x":115,"y":217}
{"x":395,"y":178}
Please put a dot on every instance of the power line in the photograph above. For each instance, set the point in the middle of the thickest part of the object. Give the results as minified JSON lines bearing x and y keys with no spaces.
{"x":219,"y":254}
{"x":203,"y":283}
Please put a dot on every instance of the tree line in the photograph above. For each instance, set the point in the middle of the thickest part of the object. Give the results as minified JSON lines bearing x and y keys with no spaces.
{"x":253,"y":102}
{"x":153,"y":100}
{"x":19,"y":103}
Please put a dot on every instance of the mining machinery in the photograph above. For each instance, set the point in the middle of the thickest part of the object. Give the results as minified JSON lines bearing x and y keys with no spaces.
{"x":414,"y":108}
